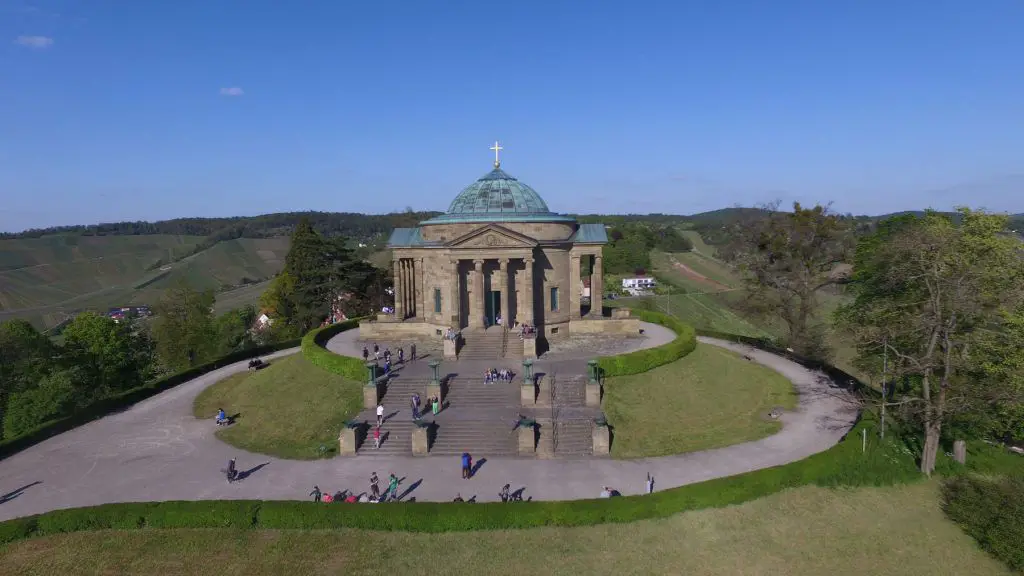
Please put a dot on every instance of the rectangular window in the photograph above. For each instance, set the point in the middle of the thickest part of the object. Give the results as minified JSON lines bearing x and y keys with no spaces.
{"x":437,"y":300}
{"x":554,"y":299}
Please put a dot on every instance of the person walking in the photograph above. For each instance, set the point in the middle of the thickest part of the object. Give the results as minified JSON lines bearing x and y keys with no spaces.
{"x":380,"y":415}
{"x":376,"y":437}
{"x":316,"y":494}
{"x":467,"y":464}
{"x":376,"y":351}
{"x":415,"y":401}
{"x":387,"y":355}
{"x":401,"y":355}
{"x":375,"y":486}
{"x":366,"y":354}
{"x":393,"y":487}
{"x":412,"y":352}
{"x":436,"y":405}
{"x":649,"y":485}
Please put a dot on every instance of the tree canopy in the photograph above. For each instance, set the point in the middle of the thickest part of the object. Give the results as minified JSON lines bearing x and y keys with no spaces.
{"x":943,"y":300}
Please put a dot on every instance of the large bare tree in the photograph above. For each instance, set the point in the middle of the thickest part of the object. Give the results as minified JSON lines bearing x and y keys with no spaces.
{"x":787,"y":260}
{"x":931,"y":294}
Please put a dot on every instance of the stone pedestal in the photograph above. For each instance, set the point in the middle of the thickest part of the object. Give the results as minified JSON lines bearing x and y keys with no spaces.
{"x":434,"y":391}
{"x":529,"y":347}
{"x":593,"y":394}
{"x":527,"y":441}
{"x":420,"y":442}
{"x":528,"y":394}
{"x":602,"y":440}
{"x":370,"y":396}
{"x":960,"y":451}
{"x":620,"y":313}
{"x":347,"y":442}
{"x":450,"y":349}
{"x":544,"y":391}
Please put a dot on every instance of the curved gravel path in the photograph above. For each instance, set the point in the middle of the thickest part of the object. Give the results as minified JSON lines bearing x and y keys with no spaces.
{"x":156,"y":450}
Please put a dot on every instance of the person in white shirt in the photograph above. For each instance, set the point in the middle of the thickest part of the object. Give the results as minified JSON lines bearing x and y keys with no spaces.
{"x":380,"y":414}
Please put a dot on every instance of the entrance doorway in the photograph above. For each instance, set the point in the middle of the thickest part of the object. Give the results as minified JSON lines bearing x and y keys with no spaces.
{"x":492,"y":307}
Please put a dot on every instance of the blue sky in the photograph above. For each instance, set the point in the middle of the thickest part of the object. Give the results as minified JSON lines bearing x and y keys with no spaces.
{"x":136,"y":109}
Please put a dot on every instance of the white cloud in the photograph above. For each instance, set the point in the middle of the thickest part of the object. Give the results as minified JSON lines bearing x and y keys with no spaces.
{"x":232,"y":91}
{"x":34,"y":41}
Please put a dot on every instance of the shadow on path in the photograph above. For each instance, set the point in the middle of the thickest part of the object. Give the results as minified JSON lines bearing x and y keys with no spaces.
{"x":251,"y":471}
{"x":14,"y":494}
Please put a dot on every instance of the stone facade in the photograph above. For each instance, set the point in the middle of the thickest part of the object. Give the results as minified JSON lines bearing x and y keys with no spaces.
{"x":464,"y":270}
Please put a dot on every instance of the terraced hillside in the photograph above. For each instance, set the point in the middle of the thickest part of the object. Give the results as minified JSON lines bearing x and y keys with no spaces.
{"x":47,"y":279}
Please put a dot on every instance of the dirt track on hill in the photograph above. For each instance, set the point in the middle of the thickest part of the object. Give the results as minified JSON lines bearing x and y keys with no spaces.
{"x":694,"y":275}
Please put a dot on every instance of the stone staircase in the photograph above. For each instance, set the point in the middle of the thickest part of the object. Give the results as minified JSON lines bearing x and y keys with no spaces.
{"x":482,"y":344}
{"x":479,"y":418}
{"x":574,"y":437}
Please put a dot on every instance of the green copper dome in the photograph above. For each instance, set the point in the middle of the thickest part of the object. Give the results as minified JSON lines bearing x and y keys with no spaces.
{"x":498,"y":197}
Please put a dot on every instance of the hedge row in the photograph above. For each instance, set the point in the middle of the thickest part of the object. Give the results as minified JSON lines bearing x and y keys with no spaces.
{"x":314,"y":349}
{"x":127,"y":398}
{"x":840,"y":377}
{"x":842,"y":465}
{"x":644,"y":360}
{"x":991,"y":510}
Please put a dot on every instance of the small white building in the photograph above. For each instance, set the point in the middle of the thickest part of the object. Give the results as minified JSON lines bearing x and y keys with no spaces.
{"x":639,"y":285}
{"x":642,"y":282}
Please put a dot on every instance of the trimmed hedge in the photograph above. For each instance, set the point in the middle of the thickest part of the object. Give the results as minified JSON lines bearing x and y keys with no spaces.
{"x":842,"y":378}
{"x":991,"y":510}
{"x":842,"y":465}
{"x":644,"y":360}
{"x":314,"y":348}
{"x":122,"y":400}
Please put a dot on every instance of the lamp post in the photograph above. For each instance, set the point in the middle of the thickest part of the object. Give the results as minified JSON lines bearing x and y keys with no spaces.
{"x":592,"y":370}
{"x":434,"y":364}
{"x":527,"y":370}
{"x":371,"y":368}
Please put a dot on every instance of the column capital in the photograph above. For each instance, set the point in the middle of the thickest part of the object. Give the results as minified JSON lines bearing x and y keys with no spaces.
{"x":503,"y":262}
{"x":528,"y":260}
{"x":478,"y":262}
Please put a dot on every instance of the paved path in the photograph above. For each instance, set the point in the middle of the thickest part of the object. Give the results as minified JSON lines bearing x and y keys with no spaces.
{"x":156,"y":450}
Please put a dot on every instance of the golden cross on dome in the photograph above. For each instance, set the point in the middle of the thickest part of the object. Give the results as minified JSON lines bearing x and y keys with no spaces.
{"x":497,"y":148}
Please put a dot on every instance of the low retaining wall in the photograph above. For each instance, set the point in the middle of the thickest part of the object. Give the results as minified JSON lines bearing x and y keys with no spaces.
{"x":624,"y":326}
{"x":399,"y":330}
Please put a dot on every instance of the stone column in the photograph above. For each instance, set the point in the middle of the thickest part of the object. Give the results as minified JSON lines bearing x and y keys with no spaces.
{"x":596,"y":287}
{"x":454,"y":305}
{"x":526,"y":312}
{"x":423,"y":308}
{"x":574,"y":287}
{"x":476,"y":296}
{"x":504,"y":283}
{"x":407,"y":284}
{"x":399,"y":290}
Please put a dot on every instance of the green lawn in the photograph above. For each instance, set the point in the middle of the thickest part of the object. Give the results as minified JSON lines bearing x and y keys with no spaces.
{"x":288,"y":409}
{"x":709,"y":399}
{"x":891,"y":531}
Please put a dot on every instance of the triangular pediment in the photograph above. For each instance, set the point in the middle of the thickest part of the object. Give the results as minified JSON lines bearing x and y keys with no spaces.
{"x":492,"y":236}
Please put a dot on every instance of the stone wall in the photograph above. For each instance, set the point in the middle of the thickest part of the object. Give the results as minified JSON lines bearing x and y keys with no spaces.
{"x":399,"y":330}
{"x":622,"y":326}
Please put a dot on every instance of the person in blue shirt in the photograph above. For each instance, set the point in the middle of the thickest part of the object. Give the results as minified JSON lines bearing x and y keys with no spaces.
{"x":222,"y":418}
{"x":467,"y":464}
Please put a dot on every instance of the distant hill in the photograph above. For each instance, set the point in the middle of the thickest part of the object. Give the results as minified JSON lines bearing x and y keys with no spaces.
{"x":47,"y":275}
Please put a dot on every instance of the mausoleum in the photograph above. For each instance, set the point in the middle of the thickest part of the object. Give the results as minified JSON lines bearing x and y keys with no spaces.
{"x":499,"y":256}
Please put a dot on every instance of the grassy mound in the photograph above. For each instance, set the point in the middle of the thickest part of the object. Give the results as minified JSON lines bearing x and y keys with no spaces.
{"x":289,"y":409}
{"x":807,"y":530}
{"x":708,"y":399}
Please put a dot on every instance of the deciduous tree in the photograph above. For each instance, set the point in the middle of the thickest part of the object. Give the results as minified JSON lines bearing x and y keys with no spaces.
{"x":787,"y":260}
{"x":939,"y":298}
{"x":184,"y":327}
